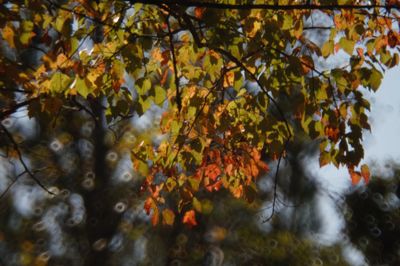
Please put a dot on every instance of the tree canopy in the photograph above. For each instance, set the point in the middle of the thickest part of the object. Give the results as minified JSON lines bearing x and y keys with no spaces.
{"x":233,"y":82}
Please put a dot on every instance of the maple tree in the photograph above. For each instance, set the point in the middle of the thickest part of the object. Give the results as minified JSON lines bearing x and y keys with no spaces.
{"x":219,"y":72}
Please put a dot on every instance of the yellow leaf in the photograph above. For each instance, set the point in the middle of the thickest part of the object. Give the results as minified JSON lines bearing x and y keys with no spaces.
{"x":255,"y":29}
{"x":8,"y":35}
{"x":365,"y":173}
{"x":168,"y":217}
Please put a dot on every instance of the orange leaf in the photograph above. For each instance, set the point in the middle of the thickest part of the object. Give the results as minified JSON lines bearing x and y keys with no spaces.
{"x":337,"y":47}
{"x":360,"y":52}
{"x":198,"y":12}
{"x":147,"y":205}
{"x":190,"y":218}
{"x":307,"y":64}
{"x":254,"y":169}
{"x":238,"y":191}
{"x":229,"y":78}
{"x":365,"y":173}
{"x":155,"y":218}
{"x":212,"y":171}
{"x":355,"y":177}
{"x":8,"y":35}
{"x":229,"y":169}
{"x":263,"y":166}
{"x":164,"y":77}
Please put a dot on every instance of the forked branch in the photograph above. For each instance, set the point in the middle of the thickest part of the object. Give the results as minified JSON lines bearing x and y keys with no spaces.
{"x":20,"y":158}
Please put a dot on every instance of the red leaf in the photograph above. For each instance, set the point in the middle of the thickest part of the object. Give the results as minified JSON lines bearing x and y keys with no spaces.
{"x":216,"y":186}
{"x":190,"y":218}
{"x":198,"y":12}
{"x":212,"y":171}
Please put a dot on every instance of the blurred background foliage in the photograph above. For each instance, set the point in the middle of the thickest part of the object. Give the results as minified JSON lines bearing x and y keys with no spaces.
{"x":37,"y":228}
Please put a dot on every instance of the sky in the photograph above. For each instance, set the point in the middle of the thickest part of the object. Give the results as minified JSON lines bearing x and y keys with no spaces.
{"x":381,"y":144}
{"x":382,"y":149}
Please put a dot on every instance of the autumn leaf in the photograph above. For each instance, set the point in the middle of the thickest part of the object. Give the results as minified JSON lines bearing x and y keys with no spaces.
{"x":307,"y":64}
{"x":229,"y":169}
{"x":238,"y":191}
{"x":263,"y":166}
{"x":212,"y":171}
{"x":168,"y":217}
{"x":189,"y":218}
{"x":324,"y":159}
{"x":365,"y":173}
{"x":148,"y":205}
{"x":355,"y":177}
{"x":254,"y":168}
{"x":155,"y":217}
{"x":255,"y":28}
{"x":8,"y":34}
{"x":198,"y":12}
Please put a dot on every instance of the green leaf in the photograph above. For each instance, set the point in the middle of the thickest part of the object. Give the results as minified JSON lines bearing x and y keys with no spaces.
{"x":143,"y":86}
{"x":168,"y":217}
{"x":59,"y":82}
{"x":196,"y":204}
{"x":81,"y":86}
{"x":324,"y":158}
{"x":375,"y":79}
{"x":347,"y":45}
{"x":160,"y":95}
{"x":206,"y":206}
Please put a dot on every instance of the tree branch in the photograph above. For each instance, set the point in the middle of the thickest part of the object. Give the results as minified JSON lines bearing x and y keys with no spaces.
{"x":6,"y":112}
{"x":276,"y":183}
{"x":188,"y":3}
{"x":176,"y":77}
{"x":15,"y":181}
{"x":26,"y":168}
{"x":9,"y":186}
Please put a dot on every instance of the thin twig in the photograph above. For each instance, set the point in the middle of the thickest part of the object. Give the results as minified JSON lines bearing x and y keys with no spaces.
{"x":6,"y":112}
{"x":176,"y":76}
{"x":317,"y":28}
{"x":10,"y":185}
{"x":87,"y":110}
{"x":276,"y":183}
{"x":26,"y":168}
